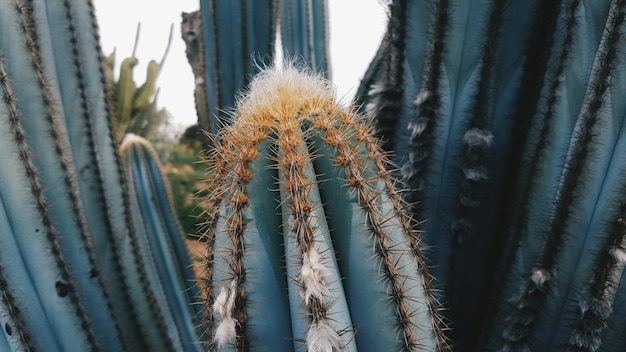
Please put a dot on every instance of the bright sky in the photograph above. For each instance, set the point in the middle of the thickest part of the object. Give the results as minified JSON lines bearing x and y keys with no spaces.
{"x":356,"y":27}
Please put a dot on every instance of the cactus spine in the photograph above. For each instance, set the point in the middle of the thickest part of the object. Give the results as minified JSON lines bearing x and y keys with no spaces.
{"x":348,"y":246}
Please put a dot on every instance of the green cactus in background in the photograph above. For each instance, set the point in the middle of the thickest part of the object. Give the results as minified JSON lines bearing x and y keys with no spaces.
{"x":135,"y":107}
{"x":311,"y":233}
{"x":505,"y":119}
{"x":76,"y":272}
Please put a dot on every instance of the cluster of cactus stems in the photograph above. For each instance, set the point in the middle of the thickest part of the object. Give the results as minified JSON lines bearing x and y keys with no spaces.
{"x":505,"y":121}
{"x":75,"y":274}
{"x":135,"y":106}
{"x":227,"y":68}
{"x":311,"y":232}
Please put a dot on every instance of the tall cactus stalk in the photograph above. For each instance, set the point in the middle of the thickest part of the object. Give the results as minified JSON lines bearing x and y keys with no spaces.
{"x":510,"y":138}
{"x":311,"y":232}
{"x":72,"y":270}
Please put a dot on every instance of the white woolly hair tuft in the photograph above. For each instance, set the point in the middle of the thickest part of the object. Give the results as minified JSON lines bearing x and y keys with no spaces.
{"x":288,"y":91}
{"x":226,"y":331}
{"x":540,"y":276}
{"x":225,"y":301}
{"x":223,"y":306}
{"x":476,"y":137}
{"x":321,"y":337}
{"x":619,"y":255}
{"x":311,"y":276}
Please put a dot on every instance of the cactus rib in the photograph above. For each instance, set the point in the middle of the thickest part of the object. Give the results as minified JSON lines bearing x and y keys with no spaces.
{"x":533,"y":294}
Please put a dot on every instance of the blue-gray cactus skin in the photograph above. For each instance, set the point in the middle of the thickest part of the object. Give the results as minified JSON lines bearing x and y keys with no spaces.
{"x":73,"y":272}
{"x":504,"y":119}
{"x":310,"y":232}
{"x":239,"y":38}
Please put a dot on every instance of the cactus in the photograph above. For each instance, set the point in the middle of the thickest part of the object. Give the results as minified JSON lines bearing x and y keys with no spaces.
{"x":170,"y":273}
{"x":136,"y":108}
{"x":503,"y":118}
{"x":304,"y":33}
{"x":74,"y":274}
{"x":310,"y":232}
{"x":238,"y":37}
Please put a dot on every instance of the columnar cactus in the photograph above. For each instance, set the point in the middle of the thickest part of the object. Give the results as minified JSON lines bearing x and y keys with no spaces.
{"x":238,"y":37}
{"x":73,"y":273}
{"x":504,"y":119}
{"x":311,"y":247}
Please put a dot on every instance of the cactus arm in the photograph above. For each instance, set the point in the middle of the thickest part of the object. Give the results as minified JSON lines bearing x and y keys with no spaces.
{"x":45,"y":125}
{"x":304,"y":33}
{"x":125,"y":90}
{"x":142,"y":95}
{"x":261,"y":25}
{"x":210,"y":64}
{"x":175,"y":237}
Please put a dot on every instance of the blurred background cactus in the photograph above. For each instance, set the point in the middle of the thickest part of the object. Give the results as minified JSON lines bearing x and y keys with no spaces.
{"x":135,"y":106}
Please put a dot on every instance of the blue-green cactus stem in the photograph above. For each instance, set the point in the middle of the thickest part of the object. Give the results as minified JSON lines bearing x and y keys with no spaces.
{"x":509,"y":229}
{"x":533,"y":294}
{"x":73,"y":314}
{"x":346,"y":239}
{"x":387,"y":100}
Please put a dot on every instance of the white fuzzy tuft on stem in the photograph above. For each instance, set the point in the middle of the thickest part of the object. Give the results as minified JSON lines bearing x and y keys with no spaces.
{"x":321,"y":337}
{"x":312,"y":275}
{"x":540,"y":276}
{"x":223,"y":306}
{"x":225,"y":331}
{"x":619,"y":255}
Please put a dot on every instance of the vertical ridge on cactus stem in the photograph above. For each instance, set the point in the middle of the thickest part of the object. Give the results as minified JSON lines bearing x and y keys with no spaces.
{"x":477,"y":142}
{"x":426,"y":105}
{"x":387,"y":96}
{"x":118,"y":203}
{"x":210,"y":63}
{"x":81,"y":116}
{"x":511,"y":232}
{"x":314,"y":280}
{"x":388,"y":250}
{"x":320,"y":38}
{"x":247,"y":290}
{"x":533,"y":294}
{"x":12,"y":270}
{"x":161,"y":239}
{"x":596,"y":302}
{"x":75,"y":317}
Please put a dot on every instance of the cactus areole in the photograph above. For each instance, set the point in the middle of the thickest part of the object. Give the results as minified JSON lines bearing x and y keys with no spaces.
{"x":311,"y":245}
